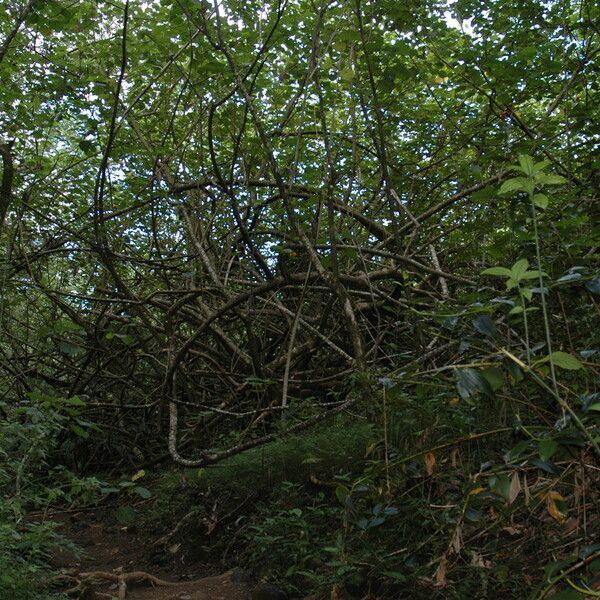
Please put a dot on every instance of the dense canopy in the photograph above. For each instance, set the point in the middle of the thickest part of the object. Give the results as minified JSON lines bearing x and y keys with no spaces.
{"x":224,"y":224}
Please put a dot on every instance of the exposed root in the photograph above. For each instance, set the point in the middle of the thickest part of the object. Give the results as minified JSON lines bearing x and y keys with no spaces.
{"x":133,"y":577}
{"x":84,"y":590}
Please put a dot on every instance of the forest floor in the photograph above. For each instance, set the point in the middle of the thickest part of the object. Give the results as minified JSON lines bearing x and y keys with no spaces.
{"x":119,"y":556}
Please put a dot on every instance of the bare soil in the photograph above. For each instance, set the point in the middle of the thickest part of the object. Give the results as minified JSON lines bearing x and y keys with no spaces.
{"x":115,"y":561}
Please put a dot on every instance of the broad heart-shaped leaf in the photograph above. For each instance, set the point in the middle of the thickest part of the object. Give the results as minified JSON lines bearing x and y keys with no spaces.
{"x":527,"y":164}
{"x":519,"y":268}
{"x":497,"y":271}
{"x":540,"y":200}
{"x":565,"y":361}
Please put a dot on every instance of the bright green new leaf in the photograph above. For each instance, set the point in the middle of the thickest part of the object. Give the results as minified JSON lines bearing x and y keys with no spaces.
{"x":516,"y":184}
{"x":549,"y":179}
{"x":527,"y":164}
{"x":347,"y":74}
{"x":497,"y":271}
{"x":534,"y":274}
{"x":527,"y":293}
{"x":519,"y":268}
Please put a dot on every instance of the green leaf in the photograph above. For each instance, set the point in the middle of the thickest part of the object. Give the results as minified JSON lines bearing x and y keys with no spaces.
{"x":593,"y":286}
{"x":595,"y":407}
{"x":533,"y":274}
{"x":471,"y":382}
{"x":588,"y":550}
{"x":347,"y":74}
{"x":527,"y":293}
{"x":550,"y":179}
{"x":495,"y":377}
{"x":500,"y":484}
{"x":483,"y":324}
{"x":527,"y":164}
{"x":87,"y":146}
{"x":519,"y":268}
{"x":142,"y":492}
{"x":397,"y":576}
{"x":73,"y":401}
{"x":342,"y":493}
{"x":540,"y":166}
{"x":69,"y":348}
{"x":497,"y":271}
{"x":79,"y":431}
{"x":125,"y":515}
{"x":565,"y":361}
{"x":516,"y":184}
{"x":567,"y":595}
{"x":547,"y":448}
{"x":540,"y":201}
{"x":545,"y":465}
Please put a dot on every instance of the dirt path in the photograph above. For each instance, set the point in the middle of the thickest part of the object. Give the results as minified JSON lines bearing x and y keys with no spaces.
{"x":116,"y":559}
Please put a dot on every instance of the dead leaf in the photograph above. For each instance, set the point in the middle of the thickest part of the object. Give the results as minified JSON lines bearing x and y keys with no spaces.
{"x":526,"y":491}
{"x":430,"y":463}
{"x":336,"y":592}
{"x":456,"y":542}
{"x":570,"y":525}
{"x":138,"y":475}
{"x":554,"y":510}
{"x":440,"y":573}
{"x":515,"y":488}
{"x":454,"y":458}
{"x":478,"y":561}
{"x":512,"y":530}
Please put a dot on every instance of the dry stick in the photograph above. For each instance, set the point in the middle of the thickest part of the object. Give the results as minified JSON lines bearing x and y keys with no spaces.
{"x":333,"y":282}
{"x":214,"y":457}
{"x":467,"y":438}
{"x":316,"y":332}
{"x":6,"y":185}
{"x":436,"y":264}
{"x":403,"y":208}
{"x":288,"y":360}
